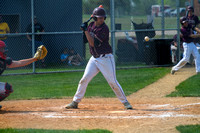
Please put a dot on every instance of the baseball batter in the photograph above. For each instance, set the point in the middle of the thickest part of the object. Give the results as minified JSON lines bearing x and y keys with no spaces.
{"x":7,"y":62}
{"x":102,"y":60}
{"x":188,"y":45}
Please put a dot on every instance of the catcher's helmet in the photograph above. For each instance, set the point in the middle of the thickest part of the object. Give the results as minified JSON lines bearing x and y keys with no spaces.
{"x":183,"y":20}
{"x":99,"y":12}
{"x":190,"y":8}
{"x":2,"y":51}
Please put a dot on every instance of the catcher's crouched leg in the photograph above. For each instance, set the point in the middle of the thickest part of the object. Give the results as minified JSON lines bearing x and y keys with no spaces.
{"x":5,"y":90}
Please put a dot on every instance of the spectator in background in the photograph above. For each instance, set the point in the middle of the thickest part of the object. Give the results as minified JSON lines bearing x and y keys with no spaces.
{"x":74,"y":58}
{"x":38,"y":38}
{"x":4,"y":29}
{"x":65,"y":56}
{"x":174,"y":45}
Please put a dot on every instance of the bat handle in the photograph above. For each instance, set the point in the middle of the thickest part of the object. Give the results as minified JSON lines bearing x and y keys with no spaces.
{"x":89,"y":19}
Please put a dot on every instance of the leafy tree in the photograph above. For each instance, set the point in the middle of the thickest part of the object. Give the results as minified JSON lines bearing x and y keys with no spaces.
{"x":128,"y":7}
{"x":172,"y":3}
{"x":143,"y":7}
{"x":89,"y":5}
{"x":122,"y":7}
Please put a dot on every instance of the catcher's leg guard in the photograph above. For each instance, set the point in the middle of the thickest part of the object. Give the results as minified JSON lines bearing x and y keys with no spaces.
{"x":5,"y":90}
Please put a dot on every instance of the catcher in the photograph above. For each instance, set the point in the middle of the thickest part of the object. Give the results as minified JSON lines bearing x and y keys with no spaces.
{"x":7,"y":62}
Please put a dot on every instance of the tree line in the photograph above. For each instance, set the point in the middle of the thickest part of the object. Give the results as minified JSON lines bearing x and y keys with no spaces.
{"x":127,"y":7}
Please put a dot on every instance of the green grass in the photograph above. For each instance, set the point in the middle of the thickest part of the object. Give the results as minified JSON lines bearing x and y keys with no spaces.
{"x":47,"y":69}
{"x":188,"y":88}
{"x":189,"y":129}
{"x":61,"y":85}
{"x":9,"y":130}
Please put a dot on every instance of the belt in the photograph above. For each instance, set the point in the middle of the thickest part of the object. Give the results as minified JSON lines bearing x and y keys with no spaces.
{"x":97,"y":56}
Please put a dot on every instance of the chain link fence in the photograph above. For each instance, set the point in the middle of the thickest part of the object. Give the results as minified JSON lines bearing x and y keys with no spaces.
{"x":146,"y":18}
{"x":56,"y":24}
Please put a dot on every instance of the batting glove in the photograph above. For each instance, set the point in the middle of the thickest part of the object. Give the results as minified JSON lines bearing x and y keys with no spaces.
{"x":84,"y":26}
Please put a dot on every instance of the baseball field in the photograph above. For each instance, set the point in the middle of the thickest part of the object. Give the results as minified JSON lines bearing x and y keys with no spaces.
{"x":162,"y":103}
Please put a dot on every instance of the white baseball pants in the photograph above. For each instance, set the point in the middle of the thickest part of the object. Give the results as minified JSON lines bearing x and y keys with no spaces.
{"x":105,"y":65}
{"x":2,"y":88}
{"x":189,"y":48}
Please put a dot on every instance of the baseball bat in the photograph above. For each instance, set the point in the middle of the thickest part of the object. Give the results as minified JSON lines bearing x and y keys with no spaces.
{"x":89,"y":19}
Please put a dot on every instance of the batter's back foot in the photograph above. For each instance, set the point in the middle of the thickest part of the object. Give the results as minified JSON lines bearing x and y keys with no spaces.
{"x":172,"y":72}
{"x":127,"y":105}
{"x":72,"y":105}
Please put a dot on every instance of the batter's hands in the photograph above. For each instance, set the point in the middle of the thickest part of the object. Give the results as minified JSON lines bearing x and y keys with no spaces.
{"x":41,"y":52}
{"x":84,"y":26}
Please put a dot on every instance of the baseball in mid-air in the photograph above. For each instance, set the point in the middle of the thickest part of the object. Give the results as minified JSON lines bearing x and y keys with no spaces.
{"x":146,"y":38}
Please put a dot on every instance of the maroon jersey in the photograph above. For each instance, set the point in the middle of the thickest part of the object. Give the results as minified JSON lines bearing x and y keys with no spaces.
{"x":193,"y":20}
{"x":186,"y":31}
{"x":102,"y":34}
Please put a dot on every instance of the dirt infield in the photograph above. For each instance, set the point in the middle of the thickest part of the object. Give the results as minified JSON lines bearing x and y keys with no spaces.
{"x":153,"y":111}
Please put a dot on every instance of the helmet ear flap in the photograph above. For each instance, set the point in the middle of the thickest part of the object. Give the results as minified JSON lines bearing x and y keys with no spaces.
{"x":95,"y":18}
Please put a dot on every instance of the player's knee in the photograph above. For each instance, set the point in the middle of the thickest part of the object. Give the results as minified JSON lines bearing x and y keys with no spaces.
{"x":83,"y":80}
{"x":112,"y":83}
{"x":8,"y":88}
{"x":196,"y":56}
{"x":186,"y":59}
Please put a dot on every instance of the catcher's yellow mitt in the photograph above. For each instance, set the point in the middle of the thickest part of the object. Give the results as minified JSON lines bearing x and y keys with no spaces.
{"x":41,"y":52}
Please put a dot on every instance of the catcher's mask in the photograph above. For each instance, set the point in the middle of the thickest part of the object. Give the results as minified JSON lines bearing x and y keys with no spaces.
{"x":3,"y":50}
{"x":99,"y":12}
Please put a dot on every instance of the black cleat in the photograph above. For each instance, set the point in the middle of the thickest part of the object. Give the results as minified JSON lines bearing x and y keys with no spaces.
{"x":127,"y":105}
{"x":72,"y":105}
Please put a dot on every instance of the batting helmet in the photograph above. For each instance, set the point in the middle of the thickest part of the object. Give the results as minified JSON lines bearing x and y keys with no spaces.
{"x":99,"y":12}
{"x":183,"y":20}
{"x":2,"y":52}
{"x":190,"y":8}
